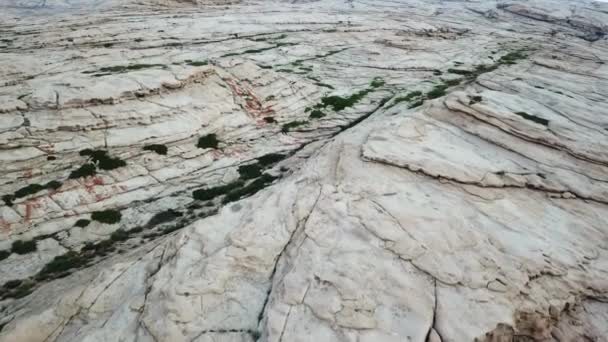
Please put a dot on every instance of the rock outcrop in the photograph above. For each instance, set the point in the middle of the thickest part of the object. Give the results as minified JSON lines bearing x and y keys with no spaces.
{"x":304,"y":171}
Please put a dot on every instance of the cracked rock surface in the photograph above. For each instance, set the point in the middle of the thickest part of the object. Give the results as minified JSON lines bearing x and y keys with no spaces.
{"x":243,"y":171}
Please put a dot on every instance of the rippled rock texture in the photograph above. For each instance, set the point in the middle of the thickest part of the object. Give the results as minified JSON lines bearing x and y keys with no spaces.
{"x":304,"y":171}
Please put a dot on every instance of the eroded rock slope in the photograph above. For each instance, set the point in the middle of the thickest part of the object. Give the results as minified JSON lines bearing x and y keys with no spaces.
{"x":304,"y":171}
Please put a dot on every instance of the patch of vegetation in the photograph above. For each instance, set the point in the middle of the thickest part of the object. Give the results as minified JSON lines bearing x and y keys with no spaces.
{"x":85,"y":170}
{"x":377,"y":82}
{"x":208,"y":141}
{"x":119,"y":69}
{"x":325,"y":85}
{"x":512,"y":57}
{"x":211,"y":193}
{"x":316,"y":114}
{"x":54,"y":185}
{"x":30,"y":190}
{"x":409,"y":97}
{"x":417,"y":103}
{"x":475,"y":99}
{"x":4,"y":254}
{"x":437,"y":72}
{"x":164,"y":217}
{"x":82,"y":223}
{"x":452,"y":82}
{"x":460,"y":72}
{"x":249,"y":189}
{"x":11,"y":284}
{"x":51,"y":158}
{"x":437,"y":91}
{"x":102,"y":159}
{"x":339,"y":103}
{"x":259,"y":50}
{"x":60,"y":265}
{"x":197,"y":63}
{"x":291,"y":125}
{"x":330,"y":53}
{"x":16,"y":289}
{"x":250,"y":171}
{"x":269,"y":119}
{"x":533,"y":118}
{"x":271,"y":158}
{"x":158,"y":148}
{"x":8,"y":199}
{"x":23,"y":246}
{"x":109,"y":216}
{"x":119,"y":235}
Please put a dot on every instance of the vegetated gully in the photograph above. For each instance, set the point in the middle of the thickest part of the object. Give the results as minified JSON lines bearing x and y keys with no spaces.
{"x":253,"y":179}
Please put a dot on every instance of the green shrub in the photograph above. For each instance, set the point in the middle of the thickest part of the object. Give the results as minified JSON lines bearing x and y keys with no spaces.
{"x":163,"y":217}
{"x":136,"y":230}
{"x":53,"y":185}
{"x":271,"y":158}
{"x":11,"y":284}
{"x":416,"y":104}
{"x":316,"y":113}
{"x":83,"y":171}
{"x":109,"y":216}
{"x":269,"y":119}
{"x":4,"y":254}
{"x":82,"y":223}
{"x":290,"y":125}
{"x":250,"y":171}
{"x":103,"y":160}
{"x":533,"y":118}
{"x":23,"y":246}
{"x":124,"y":68}
{"x":249,"y":189}
{"x":17,"y":288}
{"x":475,"y":99}
{"x":410,"y":96}
{"x":60,"y":264}
{"x":211,"y":193}
{"x":158,"y":148}
{"x":324,"y":85}
{"x":29,"y":190}
{"x":460,"y":72}
{"x":453,"y":82}
{"x":437,"y":91}
{"x":8,"y":199}
{"x":119,"y":235}
{"x":197,"y":63}
{"x":377,"y":82}
{"x":208,"y":141}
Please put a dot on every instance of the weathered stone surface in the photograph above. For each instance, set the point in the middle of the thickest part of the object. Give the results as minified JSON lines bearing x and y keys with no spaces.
{"x":456,"y":190}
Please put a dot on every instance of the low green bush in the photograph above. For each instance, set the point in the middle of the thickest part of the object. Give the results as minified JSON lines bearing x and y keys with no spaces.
{"x":109,"y":216}
{"x":208,"y":141}
{"x":119,"y":235}
{"x":271,"y":158}
{"x":250,"y":171}
{"x":82,"y":223}
{"x":23,"y":246}
{"x":291,"y":125}
{"x":85,"y":170}
{"x":211,"y":193}
{"x":60,"y":264}
{"x":163,"y":217}
{"x":158,"y":148}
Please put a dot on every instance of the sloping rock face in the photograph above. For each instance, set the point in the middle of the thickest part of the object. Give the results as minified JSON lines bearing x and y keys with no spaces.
{"x":304,"y":171}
